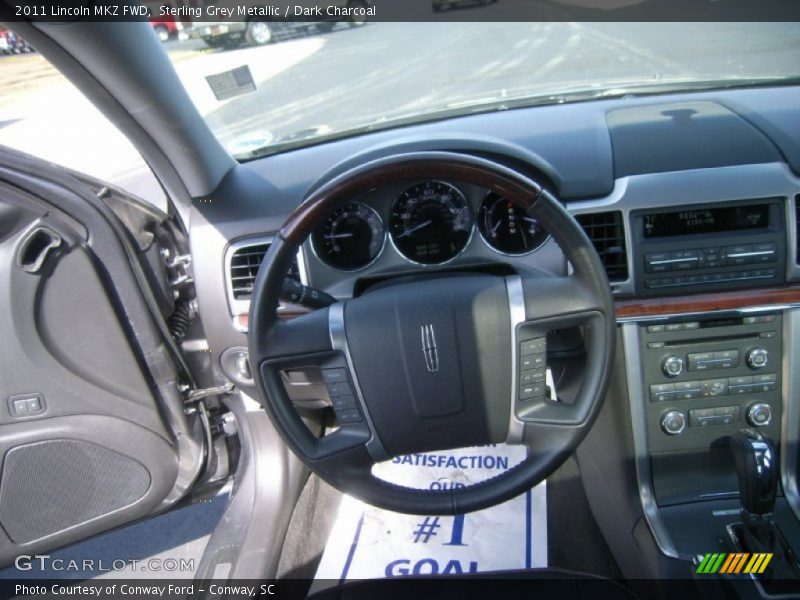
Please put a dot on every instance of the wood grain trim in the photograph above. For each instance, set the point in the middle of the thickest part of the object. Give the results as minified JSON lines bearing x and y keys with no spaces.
{"x":242,"y":321}
{"x":645,"y":307}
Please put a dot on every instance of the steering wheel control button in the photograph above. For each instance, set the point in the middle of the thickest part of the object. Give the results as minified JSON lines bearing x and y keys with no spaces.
{"x":757,"y":358}
{"x":534,"y":361}
{"x":533,"y":390}
{"x":341,"y":388}
{"x":349,"y":416}
{"x":532,"y":376}
{"x":343,"y":403}
{"x":759,"y":415}
{"x":536,"y":346}
{"x":673,"y":423}
{"x":337,"y":381}
{"x":672,"y":366}
{"x":532,"y":369}
{"x":334,"y":375}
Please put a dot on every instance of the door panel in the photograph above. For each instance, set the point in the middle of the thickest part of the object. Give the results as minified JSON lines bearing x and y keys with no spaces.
{"x":86,"y":440}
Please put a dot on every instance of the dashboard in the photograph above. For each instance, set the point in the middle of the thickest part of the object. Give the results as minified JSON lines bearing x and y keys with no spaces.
{"x":630,"y":170}
{"x":692,"y":203}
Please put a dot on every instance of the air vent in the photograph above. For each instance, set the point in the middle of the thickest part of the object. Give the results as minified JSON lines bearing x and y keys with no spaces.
{"x":608,"y":236}
{"x":797,"y":226}
{"x":244,"y":268}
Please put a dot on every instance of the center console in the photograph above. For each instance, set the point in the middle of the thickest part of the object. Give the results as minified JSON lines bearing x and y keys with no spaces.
{"x":697,"y":382}
{"x":709,"y":376}
{"x":701,"y":376}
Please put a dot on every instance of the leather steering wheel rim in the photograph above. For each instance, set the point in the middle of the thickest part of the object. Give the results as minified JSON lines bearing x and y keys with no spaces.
{"x":551,"y":430}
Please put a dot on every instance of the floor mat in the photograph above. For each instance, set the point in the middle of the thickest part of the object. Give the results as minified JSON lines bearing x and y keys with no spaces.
{"x":367,"y":542}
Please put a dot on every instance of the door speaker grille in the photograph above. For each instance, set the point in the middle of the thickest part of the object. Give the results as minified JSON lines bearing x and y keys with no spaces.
{"x":50,"y":486}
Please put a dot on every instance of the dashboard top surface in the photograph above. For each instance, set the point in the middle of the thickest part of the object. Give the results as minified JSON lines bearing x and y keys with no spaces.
{"x":593,"y":155}
{"x":571,"y":144}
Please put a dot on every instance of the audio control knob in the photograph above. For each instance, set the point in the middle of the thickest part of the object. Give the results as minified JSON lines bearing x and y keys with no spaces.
{"x":757,"y":358}
{"x":759,"y":415}
{"x":672,"y":366}
{"x":673,"y":422}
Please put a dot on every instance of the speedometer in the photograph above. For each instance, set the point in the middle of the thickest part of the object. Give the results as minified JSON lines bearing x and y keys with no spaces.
{"x":351,"y":238}
{"x":507,"y":228}
{"x":430,"y":223}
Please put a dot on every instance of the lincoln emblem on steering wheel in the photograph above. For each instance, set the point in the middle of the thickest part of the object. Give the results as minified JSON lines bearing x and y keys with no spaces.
{"x":429,"y":348}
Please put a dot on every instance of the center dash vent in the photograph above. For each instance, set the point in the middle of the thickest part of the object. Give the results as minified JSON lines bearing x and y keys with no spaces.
{"x":244,"y":264}
{"x":607,"y":233}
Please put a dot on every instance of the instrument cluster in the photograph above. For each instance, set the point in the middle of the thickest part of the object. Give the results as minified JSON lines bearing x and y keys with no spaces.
{"x":428,"y":223}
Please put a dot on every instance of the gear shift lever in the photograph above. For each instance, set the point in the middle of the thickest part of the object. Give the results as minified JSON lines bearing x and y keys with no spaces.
{"x":754,"y":455}
{"x":757,"y":470}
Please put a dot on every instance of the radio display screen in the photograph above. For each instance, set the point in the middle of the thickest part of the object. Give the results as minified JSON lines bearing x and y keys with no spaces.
{"x":706,"y":220}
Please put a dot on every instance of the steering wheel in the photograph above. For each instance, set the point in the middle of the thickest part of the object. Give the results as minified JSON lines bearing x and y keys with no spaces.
{"x":435,"y":362}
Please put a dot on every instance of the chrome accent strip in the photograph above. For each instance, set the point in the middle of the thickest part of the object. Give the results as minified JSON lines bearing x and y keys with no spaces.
{"x":338,"y":337}
{"x":745,"y":310}
{"x":516,"y":309}
{"x":636,"y":397}
{"x":759,"y":253}
{"x":790,"y":425}
{"x":792,"y":235}
{"x":302,"y":267}
{"x":679,"y":260}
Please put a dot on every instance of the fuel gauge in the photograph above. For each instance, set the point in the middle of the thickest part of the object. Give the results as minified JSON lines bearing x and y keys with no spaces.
{"x":507,"y":228}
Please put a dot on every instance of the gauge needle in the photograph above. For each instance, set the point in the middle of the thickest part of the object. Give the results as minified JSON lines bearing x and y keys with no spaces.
{"x":530,"y":220}
{"x":337,"y":236}
{"x":408,"y":232}
{"x":496,"y":226}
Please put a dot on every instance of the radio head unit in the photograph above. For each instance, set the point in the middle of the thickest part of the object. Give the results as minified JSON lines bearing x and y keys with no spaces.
{"x":709,"y":247}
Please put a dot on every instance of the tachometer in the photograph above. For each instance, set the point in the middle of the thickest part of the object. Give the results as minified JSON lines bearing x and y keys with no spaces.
{"x":430,"y":223}
{"x":507,"y":228}
{"x":351,"y":238}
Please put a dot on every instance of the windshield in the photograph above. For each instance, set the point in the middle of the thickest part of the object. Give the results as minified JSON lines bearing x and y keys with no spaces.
{"x":307,"y":83}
